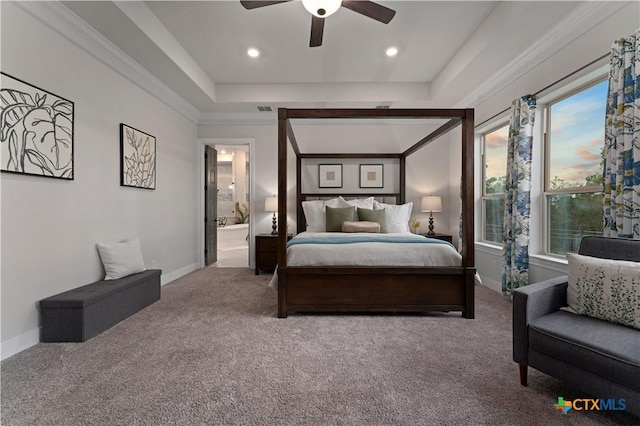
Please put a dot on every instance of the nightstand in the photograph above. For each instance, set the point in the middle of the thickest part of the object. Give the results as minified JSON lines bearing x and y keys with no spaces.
{"x":438,"y":236}
{"x":267,"y":252}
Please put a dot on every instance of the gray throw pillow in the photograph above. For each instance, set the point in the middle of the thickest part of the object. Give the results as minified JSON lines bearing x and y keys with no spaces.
{"x":378,"y":216}
{"x":337,"y":216}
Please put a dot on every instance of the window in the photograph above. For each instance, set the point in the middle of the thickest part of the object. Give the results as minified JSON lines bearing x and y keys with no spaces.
{"x":573,"y":167}
{"x":494,"y":179}
{"x":570,"y":155}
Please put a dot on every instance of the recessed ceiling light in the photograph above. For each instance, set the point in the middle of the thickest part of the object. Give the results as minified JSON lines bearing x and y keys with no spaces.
{"x":392,"y":51}
{"x":253,"y":52}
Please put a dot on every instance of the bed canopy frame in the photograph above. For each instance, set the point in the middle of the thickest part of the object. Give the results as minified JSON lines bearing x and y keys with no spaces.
{"x":368,"y":289}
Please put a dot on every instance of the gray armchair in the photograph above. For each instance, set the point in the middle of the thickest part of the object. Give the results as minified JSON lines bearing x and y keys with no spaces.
{"x":595,"y":356}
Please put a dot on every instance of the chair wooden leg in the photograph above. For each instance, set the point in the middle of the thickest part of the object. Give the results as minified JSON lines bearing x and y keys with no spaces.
{"x":523,"y":374}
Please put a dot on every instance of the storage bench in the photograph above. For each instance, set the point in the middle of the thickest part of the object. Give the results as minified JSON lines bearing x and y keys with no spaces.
{"x":79,"y":314}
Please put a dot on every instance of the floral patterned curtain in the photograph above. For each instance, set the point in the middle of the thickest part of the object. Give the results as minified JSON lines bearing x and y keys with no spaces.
{"x":517,"y":204}
{"x":622,"y":141}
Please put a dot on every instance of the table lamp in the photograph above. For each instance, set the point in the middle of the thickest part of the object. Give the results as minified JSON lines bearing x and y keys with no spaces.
{"x":431,"y":204}
{"x":271,"y":205}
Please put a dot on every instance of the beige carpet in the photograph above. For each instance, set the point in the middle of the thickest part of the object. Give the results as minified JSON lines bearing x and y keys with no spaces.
{"x":213,"y":352}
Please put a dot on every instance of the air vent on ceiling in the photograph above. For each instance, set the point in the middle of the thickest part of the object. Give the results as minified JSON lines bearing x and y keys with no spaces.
{"x":264,"y":108}
{"x":383,"y":106}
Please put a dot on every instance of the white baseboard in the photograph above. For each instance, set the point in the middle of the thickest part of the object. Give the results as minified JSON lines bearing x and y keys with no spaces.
{"x":167,"y":278}
{"x":30,"y":338}
{"x":492,"y":284}
{"x":19,"y":343}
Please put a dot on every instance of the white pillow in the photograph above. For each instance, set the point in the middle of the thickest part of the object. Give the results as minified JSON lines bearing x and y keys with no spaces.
{"x":605,"y":289}
{"x":397,"y":216}
{"x":314,"y":213}
{"x":121,"y":259}
{"x":363,"y":203}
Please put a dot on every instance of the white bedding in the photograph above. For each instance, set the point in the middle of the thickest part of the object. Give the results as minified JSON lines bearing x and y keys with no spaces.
{"x":414,"y":252}
{"x":438,"y":253}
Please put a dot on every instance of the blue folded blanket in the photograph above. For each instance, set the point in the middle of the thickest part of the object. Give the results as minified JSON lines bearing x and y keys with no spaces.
{"x":366,"y":239}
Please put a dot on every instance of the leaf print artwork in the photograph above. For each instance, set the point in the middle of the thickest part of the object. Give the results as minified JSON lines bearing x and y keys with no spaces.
{"x":37,"y":130}
{"x":138,"y":158}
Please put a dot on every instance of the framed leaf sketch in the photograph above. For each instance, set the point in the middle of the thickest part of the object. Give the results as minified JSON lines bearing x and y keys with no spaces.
{"x":330,"y":175}
{"x":371,"y":176}
{"x":137,"y":158}
{"x":37,"y":130}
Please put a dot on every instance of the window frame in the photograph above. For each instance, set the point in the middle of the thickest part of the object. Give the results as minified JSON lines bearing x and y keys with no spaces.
{"x":545,"y":190}
{"x":484,"y":196}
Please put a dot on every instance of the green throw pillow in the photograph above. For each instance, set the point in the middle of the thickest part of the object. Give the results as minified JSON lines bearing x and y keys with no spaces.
{"x":378,"y":216}
{"x":336,"y":216}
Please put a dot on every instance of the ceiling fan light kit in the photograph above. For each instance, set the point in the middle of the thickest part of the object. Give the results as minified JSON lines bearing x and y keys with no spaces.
{"x":320,"y":9}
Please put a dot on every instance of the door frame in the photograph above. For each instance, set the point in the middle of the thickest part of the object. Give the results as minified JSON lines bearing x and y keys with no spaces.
{"x":200,"y":194}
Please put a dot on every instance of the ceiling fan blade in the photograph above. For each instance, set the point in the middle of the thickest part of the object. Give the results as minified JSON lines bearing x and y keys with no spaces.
{"x":370,"y":9}
{"x":317,"y":29}
{"x":254,"y":4}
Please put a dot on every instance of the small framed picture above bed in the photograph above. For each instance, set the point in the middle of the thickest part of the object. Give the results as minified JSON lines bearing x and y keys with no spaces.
{"x":371,"y":176}
{"x":330,"y":175}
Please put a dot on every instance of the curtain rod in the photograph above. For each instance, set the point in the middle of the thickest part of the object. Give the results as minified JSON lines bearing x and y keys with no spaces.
{"x":548,"y":86}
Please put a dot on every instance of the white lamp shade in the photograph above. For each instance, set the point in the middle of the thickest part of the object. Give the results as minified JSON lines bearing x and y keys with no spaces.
{"x":322,"y":8}
{"x":271,"y":204}
{"x":431,"y":203}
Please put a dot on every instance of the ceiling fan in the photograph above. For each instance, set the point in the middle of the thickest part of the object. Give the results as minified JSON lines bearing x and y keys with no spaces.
{"x":320,"y":9}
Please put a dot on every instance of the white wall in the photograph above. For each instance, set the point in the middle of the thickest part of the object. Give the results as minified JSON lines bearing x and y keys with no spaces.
{"x":50,"y":226}
{"x":592,"y":44}
{"x":428,"y":174}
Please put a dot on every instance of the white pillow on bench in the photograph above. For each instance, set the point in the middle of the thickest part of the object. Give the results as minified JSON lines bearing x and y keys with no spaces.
{"x":121,"y":259}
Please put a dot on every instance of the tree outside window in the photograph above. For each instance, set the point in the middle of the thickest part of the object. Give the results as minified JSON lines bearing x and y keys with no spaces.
{"x":494,"y":180}
{"x":573,"y":182}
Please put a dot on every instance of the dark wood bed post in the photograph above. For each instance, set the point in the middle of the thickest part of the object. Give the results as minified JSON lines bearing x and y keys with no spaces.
{"x":403,"y":179}
{"x":468,"y":211}
{"x":282,"y":212}
{"x":299,"y":212}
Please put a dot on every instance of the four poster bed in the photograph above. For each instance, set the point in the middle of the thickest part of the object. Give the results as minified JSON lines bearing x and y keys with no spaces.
{"x":322,"y":288}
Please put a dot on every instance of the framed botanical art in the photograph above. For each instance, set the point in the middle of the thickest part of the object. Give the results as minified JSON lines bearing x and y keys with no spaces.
{"x":330,"y":175}
{"x":137,"y":158}
{"x":371,"y":176}
{"x":37,"y":130}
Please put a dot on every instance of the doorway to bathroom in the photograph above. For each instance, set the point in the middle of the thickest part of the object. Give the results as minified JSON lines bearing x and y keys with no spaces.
{"x":233,"y":205}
